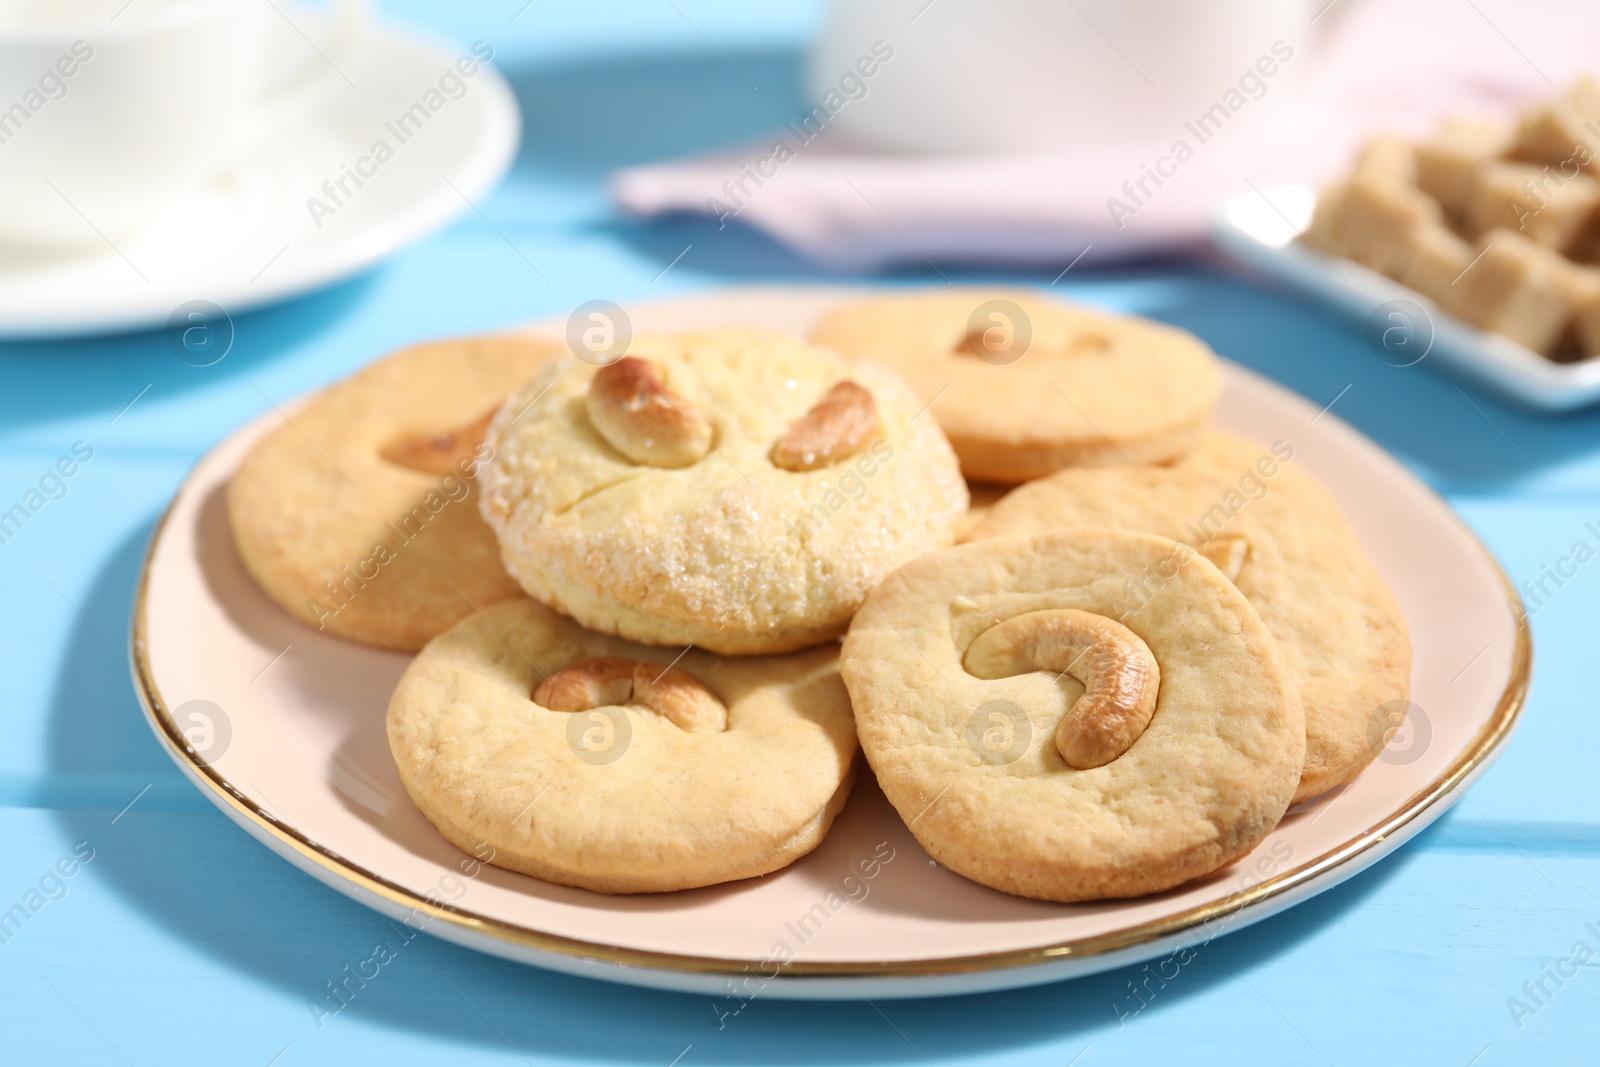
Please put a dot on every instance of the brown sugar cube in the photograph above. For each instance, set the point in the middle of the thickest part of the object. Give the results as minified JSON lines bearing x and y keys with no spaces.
{"x":1447,"y":166}
{"x":1435,"y":258}
{"x":1587,"y":329}
{"x":1543,"y":137}
{"x":1582,"y":339}
{"x":1565,"y":131}
{"x":1520,"y":289}
{"x":1323,"y":232}
{"x":1586,"y":248}
{"x":1539,"y":202}
{"x":1583,"y":283}
{"x":1386,"y":157}
{"x":1372,"y":221}
{"x":1377,"y":219}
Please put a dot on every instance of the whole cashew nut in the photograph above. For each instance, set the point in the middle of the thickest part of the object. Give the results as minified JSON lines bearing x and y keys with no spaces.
{"x":632,"y":408}
{"x":607,"y":681}
{"x":838,"y":426}
{"x":439,"y":453}
{"x":1118,"y":672}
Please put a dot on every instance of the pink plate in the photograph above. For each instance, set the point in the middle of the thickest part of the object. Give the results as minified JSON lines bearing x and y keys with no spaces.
{"x":296,"y":754}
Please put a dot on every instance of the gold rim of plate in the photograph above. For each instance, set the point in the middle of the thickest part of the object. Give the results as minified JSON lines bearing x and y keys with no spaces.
{"x":1507,"y":711}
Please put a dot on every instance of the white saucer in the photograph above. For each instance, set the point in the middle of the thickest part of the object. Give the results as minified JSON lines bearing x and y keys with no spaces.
{"x":1260,"y":230}
{"x":283,"y":729}
{"x":245,"y":237}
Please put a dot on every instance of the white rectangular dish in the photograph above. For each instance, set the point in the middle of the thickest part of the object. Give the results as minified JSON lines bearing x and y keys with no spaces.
{"x":1260,"y":229}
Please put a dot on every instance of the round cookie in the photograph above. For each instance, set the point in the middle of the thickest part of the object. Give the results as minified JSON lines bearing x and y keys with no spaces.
{"x":964,"y":693}
{"x":619,"y":798}
{"x":737,"y":490}
{"x":1288,"y":548}
{"x":357,"y":514}
{"x":1026,"y":386}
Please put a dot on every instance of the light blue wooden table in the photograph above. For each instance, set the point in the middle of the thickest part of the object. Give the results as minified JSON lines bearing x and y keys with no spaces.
{"x":183,"y":941}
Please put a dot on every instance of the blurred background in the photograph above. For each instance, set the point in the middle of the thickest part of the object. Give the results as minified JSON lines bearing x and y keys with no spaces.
{"x":242,"y":151}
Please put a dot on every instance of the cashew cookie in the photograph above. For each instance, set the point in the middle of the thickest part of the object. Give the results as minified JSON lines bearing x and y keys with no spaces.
{"x":358,"y":514}
{"x":1283,"y":541}
{"x":589,"y":761}
{"x":1042,"y":735}
{"x":737,"y":490}
{"x":1025,"y":386}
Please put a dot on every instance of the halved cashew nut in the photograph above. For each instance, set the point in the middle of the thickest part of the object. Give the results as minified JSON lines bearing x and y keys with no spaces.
{"x":439,"y":453}
{"x":838,"y":426}
{"x":1228,"y":552}
{"x":1119,"y":675}
{"x":607,"y":681}
{"x":632,"y":408}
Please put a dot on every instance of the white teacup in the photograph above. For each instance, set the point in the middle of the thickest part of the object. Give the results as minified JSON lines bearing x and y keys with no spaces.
{"x":1045,"y":75}
{"x":110,"y":109}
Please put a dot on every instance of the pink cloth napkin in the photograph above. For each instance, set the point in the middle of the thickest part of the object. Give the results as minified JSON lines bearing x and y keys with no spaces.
{"x":1372,"y":65}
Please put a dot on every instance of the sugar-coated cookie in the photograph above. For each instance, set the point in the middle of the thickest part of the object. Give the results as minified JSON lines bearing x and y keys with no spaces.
{"x":737,"y":490}
{"x":1025,"y":386}
{"x":590,"y":761}
{"x":1284,"y":542}
{"x":1044,"y":737}
{"x":358,"y":514}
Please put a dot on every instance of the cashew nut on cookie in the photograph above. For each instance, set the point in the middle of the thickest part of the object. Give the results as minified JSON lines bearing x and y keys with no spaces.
{"x":1119,"y":676}
{"x":841,"y":424}
{"x":631,"y":406}
{"x":977,"y":343}
{"x":607,"y":681}
{"x":439,"y":453}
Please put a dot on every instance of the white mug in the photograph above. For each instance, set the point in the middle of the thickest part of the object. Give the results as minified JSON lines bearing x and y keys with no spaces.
{"x":110,"y":109}
{"x":1047,"y":75}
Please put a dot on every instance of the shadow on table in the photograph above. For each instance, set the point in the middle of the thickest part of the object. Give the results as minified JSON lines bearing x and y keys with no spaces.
{"x":205,"y":883}
{"x":105,"y":373}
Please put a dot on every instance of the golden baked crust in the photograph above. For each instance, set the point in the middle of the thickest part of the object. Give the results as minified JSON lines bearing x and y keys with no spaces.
{"x":1204,"y":783}
{"x":358,"y":546}
{"x":730,"y":552}
{"x":1091,"y":389}
{"x":503,"y":777}
{"x":1342,"y":633}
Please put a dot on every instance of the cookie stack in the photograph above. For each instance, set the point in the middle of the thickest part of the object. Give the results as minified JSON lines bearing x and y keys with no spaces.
{"x":626,"y":583}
